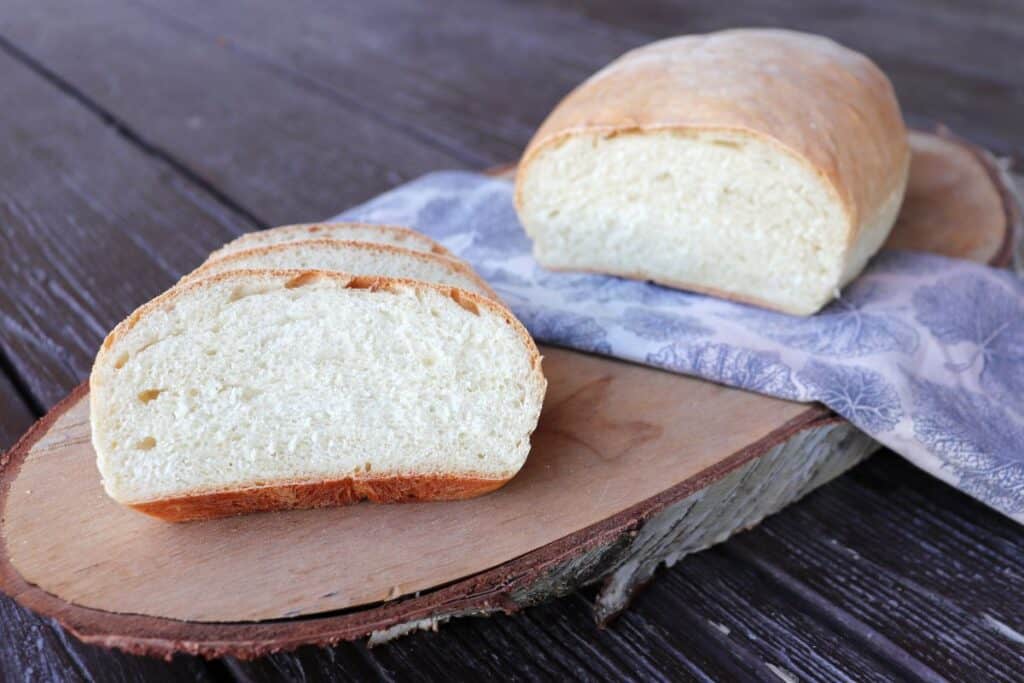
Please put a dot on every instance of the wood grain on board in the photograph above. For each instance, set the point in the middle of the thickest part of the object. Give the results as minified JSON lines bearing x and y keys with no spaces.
{"x":606,"y":427}
{"x":942,"y":168}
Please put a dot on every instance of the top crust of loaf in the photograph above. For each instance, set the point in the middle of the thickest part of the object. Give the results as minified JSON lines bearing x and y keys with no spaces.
{"x":307,"y":231}
{"x":244,"y":256}
{"x":824,"y":104}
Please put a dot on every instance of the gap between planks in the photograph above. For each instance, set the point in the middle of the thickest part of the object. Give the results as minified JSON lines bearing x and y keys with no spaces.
{"x":129,"y":133}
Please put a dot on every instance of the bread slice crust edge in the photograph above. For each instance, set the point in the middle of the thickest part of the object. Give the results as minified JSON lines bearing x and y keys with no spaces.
{"x":308,"y":231}
{"x":303,"y":495}
{"x":454,"y":264}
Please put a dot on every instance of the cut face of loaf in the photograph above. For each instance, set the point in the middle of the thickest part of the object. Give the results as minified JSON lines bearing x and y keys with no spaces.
{"x":760,"y":165}
{"x":360,"y":232}
{"x":354,"y":258}
{"x":261,"y":390}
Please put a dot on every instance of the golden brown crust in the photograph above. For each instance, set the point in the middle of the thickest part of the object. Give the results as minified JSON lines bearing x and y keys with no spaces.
{"x":316,"y":494}
{"x":450,"y":262}
{"x":303,"y":231}
{"x":826,"y":105}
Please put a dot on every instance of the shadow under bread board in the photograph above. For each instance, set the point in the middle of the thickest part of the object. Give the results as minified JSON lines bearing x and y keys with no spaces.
{"x":630,"y":467}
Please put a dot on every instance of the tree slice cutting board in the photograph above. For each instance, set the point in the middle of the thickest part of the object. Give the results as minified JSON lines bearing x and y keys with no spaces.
{"x":631,"y":467}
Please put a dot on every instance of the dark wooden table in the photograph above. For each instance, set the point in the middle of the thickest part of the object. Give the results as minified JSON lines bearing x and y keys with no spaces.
{"x":135,"y":136}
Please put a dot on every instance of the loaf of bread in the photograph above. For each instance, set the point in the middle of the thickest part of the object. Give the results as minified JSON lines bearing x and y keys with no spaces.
{"x":766,"y":166}
{"x":361,"y":232}
{"x":265,"y":390}
{"x":354,"y":258}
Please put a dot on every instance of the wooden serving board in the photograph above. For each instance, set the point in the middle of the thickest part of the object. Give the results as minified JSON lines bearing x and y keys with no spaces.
{"x":631,"y":467}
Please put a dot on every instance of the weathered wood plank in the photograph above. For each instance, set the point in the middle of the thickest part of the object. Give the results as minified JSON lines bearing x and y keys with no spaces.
{"x":30,"y":650}
{"x":15,"y":414}
{"x":446,"y":76}
{"x":96,"y":227}
{"x":886,"y":563}
{"x":878,"y":27}
{"x":562,"y":643}
{"x":932,"y":597}
{"x":346,"y":662}
{"x":421,"y":71}
{"x":102,"y":665}
{"x":748,"y":618}
{"x":285,"y":152}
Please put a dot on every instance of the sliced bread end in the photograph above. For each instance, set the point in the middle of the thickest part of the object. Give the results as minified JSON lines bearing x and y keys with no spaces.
{"x":257,"y":390}
{"x":363,"y":232}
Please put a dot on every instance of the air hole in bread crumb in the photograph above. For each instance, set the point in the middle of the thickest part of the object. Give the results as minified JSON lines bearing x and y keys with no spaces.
{"x":479,"y":456}
{"x":121,"y":360}
{"x":727,"y":143}
{"x":460,"y":297}
{"x":146,"y":444}
{"x":149,"y":394}
{"x":302,"y":280}
{"x":364,"y":282}
{"x":211,"y":352}
{"x":367,"y":467}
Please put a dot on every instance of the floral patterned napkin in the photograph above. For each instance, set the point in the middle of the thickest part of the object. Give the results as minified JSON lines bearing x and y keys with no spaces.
{"x":924,"y":353}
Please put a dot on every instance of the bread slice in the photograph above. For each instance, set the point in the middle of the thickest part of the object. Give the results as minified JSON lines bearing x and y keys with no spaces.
{"x":765,"y":166}
{"x":266,"y":390}
{"x":354,"y":258}
{"x":361,"y":232}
